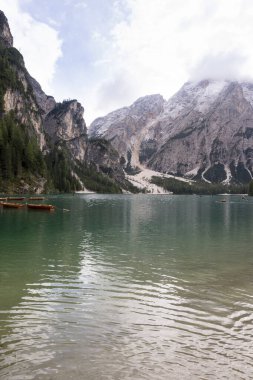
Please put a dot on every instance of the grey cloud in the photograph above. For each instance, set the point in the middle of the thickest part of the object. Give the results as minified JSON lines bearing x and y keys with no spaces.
{"x":220,"y":66}
{"x":115,"y":92}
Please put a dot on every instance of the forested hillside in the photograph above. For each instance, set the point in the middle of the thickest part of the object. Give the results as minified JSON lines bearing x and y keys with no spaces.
{"x":44,"y":145}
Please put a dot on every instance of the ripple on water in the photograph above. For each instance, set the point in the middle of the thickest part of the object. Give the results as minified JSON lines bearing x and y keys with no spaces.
{"x":132,"y":314}
{"x":165,"y":322}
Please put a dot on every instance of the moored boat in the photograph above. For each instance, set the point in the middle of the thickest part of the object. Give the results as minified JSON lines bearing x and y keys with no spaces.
{"x":15,"y":198}
{"x":12,"y":205}
{"x":36,"y":206}
{"x":3,"y":199}
{"x":36,"y":198}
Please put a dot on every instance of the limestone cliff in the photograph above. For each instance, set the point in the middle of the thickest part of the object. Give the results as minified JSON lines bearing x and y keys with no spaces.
{"x":205,"y":131}
{"x":6,"y":38}
{"x":65,"y":123}
{"x":58,"y":128}
{"x":17,"y":94}
{"x":106,"y":159}
{"x":208,"y":132}
{"x":127,"y":127}
{"x":45,"y":102}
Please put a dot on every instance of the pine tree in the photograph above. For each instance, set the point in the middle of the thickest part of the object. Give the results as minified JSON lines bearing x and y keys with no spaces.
{"x":251,"y":188}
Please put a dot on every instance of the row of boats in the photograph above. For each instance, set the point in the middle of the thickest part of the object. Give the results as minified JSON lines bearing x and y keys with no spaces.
{"x":13,"y":202}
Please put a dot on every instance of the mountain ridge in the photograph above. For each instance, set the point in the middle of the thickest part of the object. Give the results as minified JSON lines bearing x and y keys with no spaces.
{"x":43,"y":143}
{"x":202,"y":132}
{"x":6,"y":38}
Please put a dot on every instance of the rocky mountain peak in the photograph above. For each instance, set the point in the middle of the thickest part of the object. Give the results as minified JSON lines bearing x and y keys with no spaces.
{"x":54,"y":132}
{"x":65,"y":121}
{"x":150,"y":104}
{"x":194,"y":95}
{"x":45,"y":102}
{"x":207,"y":130}
{"x":204,"y":131}
{"x":6,"y":38}
{"x":125,"y":127}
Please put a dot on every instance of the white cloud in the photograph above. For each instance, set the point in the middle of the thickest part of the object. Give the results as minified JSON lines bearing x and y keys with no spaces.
{"x":142,"y":47}
{"x":164,"y":43}
{"x":228,"y":65}
{"x":38,"y":42}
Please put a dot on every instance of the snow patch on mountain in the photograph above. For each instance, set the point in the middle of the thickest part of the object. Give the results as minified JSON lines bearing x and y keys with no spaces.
{"x":194,"y":95}
{"x":228,"y":174}
{"x":192,"y":173}
{"x":248,"y":92}
{"x":143,"y":179}
{"x":206,"y":125}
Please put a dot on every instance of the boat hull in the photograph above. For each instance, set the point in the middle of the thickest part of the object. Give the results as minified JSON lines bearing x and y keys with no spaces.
{"x":12,"y":205}
{"x":40,"y":207}
{"x":36,"y":198}
{"x":15,"y":198}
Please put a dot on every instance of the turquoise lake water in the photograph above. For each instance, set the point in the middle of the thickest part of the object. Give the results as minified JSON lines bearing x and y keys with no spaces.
{"x":127,"y":287}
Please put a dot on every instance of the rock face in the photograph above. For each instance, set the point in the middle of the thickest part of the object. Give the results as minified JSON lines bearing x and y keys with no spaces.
{"x":208,"y":129}
{"x":127,"y":127}
{"x":6,"y":38}
{"x":18,"y":96}
{"x":45,"y":102}
{"x":46,"y":119}
{"x":56,"y":126}
{"x":205,"y":131}
{"x":106,"y":159}
{"x":65,"y":123}
{"x":27,"y":112}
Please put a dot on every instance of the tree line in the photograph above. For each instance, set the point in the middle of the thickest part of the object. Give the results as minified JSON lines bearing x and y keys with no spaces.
{"x":19,"y":150}
{"x":202,"y":188}
{"x":21,"y":158}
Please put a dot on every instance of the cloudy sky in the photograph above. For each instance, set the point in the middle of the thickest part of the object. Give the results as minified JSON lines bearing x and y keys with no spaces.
{"x":107,"y":53}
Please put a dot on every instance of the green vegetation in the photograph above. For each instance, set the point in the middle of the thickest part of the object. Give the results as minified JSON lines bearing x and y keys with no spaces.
{"x":204,"y":188}
{"x":97,"y":181}
{"x":60,"y":107}
{"x":22,"y":164}
{"x":19,"y":152}
{"x":10,"y":59}
{"x":21,"y":161}
{"x":104,"y":146}
{"x":128,"y":186}
{"x":60,"y":170}
{"x":250,"y":190}
{"x":130,"y":170}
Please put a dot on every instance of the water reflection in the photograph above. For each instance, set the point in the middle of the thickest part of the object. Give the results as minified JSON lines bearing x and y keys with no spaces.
{"x":130,"y":288}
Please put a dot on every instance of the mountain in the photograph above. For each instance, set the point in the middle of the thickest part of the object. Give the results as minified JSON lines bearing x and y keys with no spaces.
{"x":43,"y":143}
{"x":6,"y":38}
{"x":128,"y":127}
{"x":205,"y":132}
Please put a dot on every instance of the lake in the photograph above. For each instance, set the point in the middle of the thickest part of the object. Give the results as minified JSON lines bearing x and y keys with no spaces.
{"x":127,"y":287}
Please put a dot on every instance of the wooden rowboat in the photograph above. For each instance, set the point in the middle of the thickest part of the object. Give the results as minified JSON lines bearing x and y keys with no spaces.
{"x":36,"y":198}
{"x":3,"y":199}
{"x":45,"y":207}
{"x":12,"y":205}
{"x":15,"y":198}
